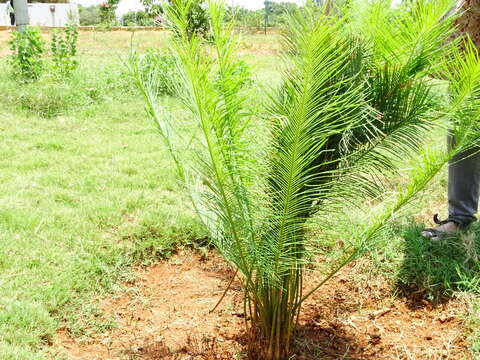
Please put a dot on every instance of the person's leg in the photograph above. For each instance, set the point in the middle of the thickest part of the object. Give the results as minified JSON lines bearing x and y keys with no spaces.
{"x":463,"y":186}
{"x":463,"y":193}
{"x":12,"y":19}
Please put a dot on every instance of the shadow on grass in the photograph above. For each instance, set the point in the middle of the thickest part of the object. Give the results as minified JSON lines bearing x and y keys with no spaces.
{"x":433,"y":270}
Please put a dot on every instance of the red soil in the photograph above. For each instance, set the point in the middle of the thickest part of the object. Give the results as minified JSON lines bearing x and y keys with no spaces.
{"x":4,"y":39}
{"x":165,"y":315}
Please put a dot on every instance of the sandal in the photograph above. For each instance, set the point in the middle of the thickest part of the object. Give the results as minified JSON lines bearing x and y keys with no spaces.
{"x":445,"y":227}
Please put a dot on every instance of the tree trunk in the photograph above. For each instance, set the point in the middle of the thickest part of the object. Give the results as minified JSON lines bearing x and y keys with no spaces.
{"x":469,"y":21}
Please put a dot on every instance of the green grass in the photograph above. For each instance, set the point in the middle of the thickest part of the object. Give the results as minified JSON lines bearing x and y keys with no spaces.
{"x":440,"y":268}
{"x":441,"y":271}
{"x":88,"y":191}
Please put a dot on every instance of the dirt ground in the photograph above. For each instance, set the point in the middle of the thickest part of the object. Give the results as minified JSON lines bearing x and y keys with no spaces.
{"x":165,"y":315}
{"x":96,"y":43}
{"x":4,"y":39}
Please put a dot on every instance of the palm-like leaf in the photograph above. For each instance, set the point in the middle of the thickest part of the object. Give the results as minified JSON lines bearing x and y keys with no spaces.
{"x":351,"y":107}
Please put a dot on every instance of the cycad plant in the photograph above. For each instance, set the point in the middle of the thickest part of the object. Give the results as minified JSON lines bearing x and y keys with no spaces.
{"x":357,"y":101}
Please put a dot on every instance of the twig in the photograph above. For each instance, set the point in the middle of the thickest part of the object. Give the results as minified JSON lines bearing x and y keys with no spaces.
{"x":379,"y":313}
{"x":225,"y":292}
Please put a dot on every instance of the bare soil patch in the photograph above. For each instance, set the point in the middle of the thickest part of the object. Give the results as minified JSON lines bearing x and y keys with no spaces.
{"x":4,"y":39}
{"x":165,"y":315}
{"x":96,"y":43}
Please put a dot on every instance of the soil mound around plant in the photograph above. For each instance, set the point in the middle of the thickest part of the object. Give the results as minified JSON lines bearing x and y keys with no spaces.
{"x":166,"y":314}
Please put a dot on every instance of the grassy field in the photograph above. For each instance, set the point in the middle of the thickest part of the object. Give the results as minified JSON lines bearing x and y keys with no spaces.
{"x":88,"y":191}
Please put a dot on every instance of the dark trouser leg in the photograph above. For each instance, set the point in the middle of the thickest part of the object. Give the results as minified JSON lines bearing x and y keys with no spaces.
{"x":463,"y":186}
{"x":12,"y":19}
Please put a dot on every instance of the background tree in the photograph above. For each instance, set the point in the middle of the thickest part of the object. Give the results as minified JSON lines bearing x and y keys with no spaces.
{"x":89,"y":15}
{"x":139,"y":18}
{"x":197,"y":16}
{"x":277,"y":15}
{"x":277,"y":12}
{"x":107,"y":11}
{"x":153,"y":7}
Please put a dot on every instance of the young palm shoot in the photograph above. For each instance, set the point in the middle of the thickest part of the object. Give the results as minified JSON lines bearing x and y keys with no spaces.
{"x":351,"y":108}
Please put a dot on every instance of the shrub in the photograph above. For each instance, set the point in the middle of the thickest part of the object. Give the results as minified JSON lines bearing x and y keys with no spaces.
{"x":64,"y":49}
{"x":354,"y":103}
{"x":167,"y":78}
{"x":241,"y":75}
{"x":198,"y":22}
{"x":27,"y":47}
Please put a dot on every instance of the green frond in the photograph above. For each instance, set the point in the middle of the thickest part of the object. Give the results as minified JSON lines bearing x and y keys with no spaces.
{"x":416,"y":35}
{"x":463,"y":73}
{"x":356,"y":102}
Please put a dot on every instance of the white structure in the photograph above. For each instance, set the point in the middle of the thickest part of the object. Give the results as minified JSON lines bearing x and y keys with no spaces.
{"x":42,"y":14}
{"x":4,"y":17}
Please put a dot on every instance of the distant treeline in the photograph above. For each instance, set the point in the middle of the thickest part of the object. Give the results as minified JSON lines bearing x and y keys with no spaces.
{"x":273,"y":15}
{"x":276,"y":16}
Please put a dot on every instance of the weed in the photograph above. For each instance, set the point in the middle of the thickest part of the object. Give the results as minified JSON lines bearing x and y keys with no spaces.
{"x":51,"y":96}
{"x":64,"y":49}
{"x":168,"y":81}
{"x":241,"y":75}
{"x":27,"y":47}
{"x":165,"y":69}
{"x":54,"y":99}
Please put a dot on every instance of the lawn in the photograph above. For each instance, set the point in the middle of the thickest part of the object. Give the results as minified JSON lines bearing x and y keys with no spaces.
{"x":88,"y":193}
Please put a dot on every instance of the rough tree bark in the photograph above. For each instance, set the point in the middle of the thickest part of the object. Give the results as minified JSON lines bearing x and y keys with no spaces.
{"x":469,"y":22}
